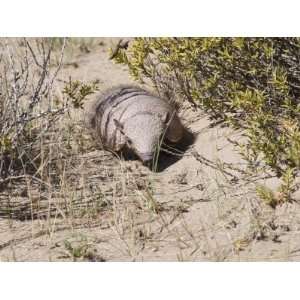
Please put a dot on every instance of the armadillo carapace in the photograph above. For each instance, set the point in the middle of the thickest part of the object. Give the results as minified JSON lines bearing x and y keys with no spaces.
{"x":128,"y":116}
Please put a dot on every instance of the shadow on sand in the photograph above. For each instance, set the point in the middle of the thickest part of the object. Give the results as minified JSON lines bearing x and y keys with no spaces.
{"x":169,"y":156}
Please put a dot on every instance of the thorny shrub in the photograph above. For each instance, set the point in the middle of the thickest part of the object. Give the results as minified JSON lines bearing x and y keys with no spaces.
{"x":30,"y":108}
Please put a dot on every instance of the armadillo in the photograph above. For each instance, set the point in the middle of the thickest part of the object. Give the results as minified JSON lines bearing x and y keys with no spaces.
{"x":133,"y":118}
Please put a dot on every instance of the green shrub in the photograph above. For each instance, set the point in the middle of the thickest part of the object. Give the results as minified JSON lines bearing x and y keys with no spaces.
{"x":251,"y":84}
{"x":77,"y":91}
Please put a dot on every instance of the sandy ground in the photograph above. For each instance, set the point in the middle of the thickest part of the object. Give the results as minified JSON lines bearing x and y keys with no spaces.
{"x":198,"y":210}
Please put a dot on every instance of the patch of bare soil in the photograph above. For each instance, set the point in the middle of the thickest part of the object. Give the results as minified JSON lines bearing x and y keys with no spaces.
{"x":200,"y":207}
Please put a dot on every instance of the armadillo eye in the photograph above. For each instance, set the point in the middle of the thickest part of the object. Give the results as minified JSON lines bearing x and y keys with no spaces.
{"x":129,"y":142}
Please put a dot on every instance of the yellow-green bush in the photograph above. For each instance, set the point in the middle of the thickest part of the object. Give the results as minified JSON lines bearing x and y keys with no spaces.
{"x":251,"y":84}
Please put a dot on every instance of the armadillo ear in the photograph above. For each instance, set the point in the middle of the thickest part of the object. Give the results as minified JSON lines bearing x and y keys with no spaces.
{"x":93,"y":122}
{"x":119,"y":125}
{"x":165,"y":118}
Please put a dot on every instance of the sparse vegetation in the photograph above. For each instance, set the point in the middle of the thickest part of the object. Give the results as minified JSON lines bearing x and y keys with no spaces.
{"x":63,"y":198}
{"x":35,"y":145}
{"x":27,"y":107}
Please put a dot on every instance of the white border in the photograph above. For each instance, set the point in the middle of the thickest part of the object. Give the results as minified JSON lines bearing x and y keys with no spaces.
{"x":149,"y":18}
{"x":149,"y":281}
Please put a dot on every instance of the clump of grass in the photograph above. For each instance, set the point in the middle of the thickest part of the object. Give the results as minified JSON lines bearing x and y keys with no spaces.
{"x":80,"y":250}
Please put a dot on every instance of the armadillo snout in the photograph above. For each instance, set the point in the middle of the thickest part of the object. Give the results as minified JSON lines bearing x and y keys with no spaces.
{"x":146,"y":157}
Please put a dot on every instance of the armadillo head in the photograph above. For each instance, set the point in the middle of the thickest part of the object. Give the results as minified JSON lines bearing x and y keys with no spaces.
{"x":143,"y":134}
